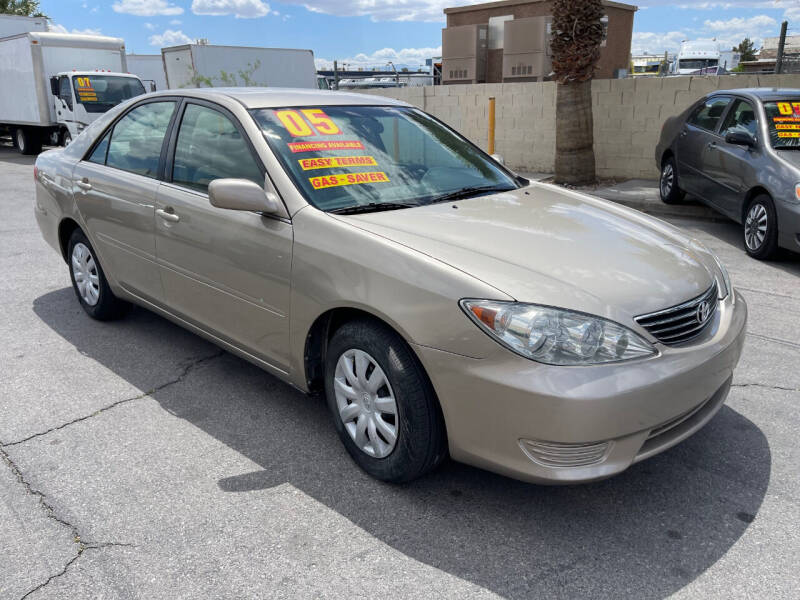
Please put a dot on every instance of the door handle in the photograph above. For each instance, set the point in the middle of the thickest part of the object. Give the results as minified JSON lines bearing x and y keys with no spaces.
{"x":712,"y":145}
{"x":84,"y":184}
{"x":168,"y":216}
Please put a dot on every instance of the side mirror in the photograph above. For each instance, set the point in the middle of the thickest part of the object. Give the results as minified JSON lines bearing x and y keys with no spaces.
{"x":54,"y":86}
{"x":740,"y":138}
{"x":498,"y":158}
{"x":242,"y":194}
{"x":152,"y":86}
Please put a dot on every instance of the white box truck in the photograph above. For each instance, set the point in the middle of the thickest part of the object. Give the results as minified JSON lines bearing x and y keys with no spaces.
{"x":55,"y":84}
{"x":14,"y":24}
{"x":204,"y":65}
{"x":149,"y":68}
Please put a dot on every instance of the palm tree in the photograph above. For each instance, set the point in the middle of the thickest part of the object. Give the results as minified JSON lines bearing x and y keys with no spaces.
{"x":25,"y":8}
{"x":577,"y":35}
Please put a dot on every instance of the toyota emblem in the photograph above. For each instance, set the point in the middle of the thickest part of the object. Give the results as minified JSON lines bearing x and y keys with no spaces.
{"x":703,"y":311}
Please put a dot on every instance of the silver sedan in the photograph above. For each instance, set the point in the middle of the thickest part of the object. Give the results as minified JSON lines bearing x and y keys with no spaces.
{"x":739,"y":152}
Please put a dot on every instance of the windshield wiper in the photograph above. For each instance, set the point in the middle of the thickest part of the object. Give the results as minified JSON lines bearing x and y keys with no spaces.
{"x":466,"y":192}
{"x":371,"y":207}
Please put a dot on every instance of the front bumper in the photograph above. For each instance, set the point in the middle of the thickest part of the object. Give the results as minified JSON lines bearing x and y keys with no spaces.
{"x":508,"y":414}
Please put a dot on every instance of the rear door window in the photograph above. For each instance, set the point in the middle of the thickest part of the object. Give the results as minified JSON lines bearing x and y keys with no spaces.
{"x":708,"y":115}
{"x":137,"y":138}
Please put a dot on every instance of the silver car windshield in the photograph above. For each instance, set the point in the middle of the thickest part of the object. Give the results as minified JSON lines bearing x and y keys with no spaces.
{"x":345,"y":157}
{"x":783,"y":123}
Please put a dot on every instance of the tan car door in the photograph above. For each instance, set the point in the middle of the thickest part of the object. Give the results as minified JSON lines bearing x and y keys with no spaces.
{"x":115,"y":191}
{"x":225,"y":271}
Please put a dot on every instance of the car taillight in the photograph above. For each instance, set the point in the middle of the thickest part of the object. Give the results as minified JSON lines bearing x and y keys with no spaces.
{"x":35,"y":173}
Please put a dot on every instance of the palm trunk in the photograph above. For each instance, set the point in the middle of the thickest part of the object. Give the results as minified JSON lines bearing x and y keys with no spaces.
{"x":574,"y":134}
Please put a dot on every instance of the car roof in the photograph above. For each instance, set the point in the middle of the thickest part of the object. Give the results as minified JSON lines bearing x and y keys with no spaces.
{"x":763,"y":94}
{"x":263,"y":97}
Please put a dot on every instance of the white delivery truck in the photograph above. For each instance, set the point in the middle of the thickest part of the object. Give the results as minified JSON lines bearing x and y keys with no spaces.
{"x":149,"y":68}
{"x":55,"y":84}
{"x":204,"y":65}
{"x":695,"y":56}
{"x":14,"y":24}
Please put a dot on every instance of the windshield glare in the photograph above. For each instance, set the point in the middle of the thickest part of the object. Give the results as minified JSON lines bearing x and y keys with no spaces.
{"x":783,"y":123}
{"x":698,"y":63}
{"x":346,"y":156}
{"x":98,"y":93}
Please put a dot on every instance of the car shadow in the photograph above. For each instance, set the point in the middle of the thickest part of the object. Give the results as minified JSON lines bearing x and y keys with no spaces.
{"x":645,"y":533}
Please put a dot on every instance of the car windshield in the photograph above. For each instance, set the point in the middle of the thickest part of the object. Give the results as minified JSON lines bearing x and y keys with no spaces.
{"x":697,"y":63}
{"x":377,"y":157}
{"x":783,"y":123}
{"x":99,"y":93}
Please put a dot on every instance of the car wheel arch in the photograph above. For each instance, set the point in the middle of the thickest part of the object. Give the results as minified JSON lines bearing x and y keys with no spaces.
{"x":65,"y":229}
{"x":748,"y":198}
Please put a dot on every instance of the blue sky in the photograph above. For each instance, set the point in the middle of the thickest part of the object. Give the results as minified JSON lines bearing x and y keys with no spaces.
{"x":372,"y":32}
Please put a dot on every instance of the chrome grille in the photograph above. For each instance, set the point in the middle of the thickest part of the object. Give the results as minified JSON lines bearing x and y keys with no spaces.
{"x":682,"y":322}
{"x":552,"y":454}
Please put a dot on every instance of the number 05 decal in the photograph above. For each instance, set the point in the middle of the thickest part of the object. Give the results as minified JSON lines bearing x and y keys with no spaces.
{"x":297,"y":126}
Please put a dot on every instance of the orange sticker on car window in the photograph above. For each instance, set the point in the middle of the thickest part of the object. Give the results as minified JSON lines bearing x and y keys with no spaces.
{"x":789,"y":108}
{"x":296,"y":147}
{"x":328,"y":181}
{"x":788,"y":126}
{"x":789,"y":134}
{"x":786,"y":119}
{"x":308,"y":164}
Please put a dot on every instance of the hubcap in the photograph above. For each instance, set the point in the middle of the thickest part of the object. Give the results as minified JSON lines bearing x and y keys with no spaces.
{"x":755,"y":227}
{"x":84,"y":270}
{"x":667,"y":180}
{"x":366,"y":403}
{"x":20,"y":140}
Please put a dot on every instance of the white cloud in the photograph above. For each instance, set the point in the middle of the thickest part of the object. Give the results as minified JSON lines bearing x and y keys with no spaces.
{"x":241,"y":9}
{"x":757,"y":23}
{"x":170,"y":37}
{"x":150,"y":26}
{"x":146,"y":8}
{"x":382,"y":10}
{"x":61,"y":29}
{"x":407,"y":57}
{"x":175,"y":22}
{"x":656,"y":43}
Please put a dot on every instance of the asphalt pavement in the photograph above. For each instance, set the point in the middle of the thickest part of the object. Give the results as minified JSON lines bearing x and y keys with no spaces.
{"x":139,"y":461}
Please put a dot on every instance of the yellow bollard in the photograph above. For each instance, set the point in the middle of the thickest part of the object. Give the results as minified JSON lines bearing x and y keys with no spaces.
{"x":491,"y":125}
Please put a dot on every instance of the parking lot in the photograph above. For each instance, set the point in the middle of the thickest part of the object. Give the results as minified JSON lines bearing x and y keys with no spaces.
{"x":140,"y":461}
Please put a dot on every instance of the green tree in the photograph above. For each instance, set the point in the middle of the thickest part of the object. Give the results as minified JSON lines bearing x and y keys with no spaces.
{"x":747,"y":49}
{"x":25,"y":8}
{"x":577,"y":34}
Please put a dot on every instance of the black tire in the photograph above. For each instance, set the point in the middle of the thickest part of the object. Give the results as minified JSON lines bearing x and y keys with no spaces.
{"x":28,"y":140}
{"x":760,"y":213}
{"x":668,"y":186}
{"x":65,"y":139}
{"x":107,"y":306}
{"x":421,"y":440}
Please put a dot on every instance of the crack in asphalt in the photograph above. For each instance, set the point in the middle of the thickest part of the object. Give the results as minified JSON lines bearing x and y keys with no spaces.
{"x":765,"y":386}
{"x":192,"y":364}
{"x":768,"y":338}
{"x":82,"y":545}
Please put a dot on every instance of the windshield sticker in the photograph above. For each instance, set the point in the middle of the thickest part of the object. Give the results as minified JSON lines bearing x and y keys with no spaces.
{"x":313,"y":121}
{"x":296,"y":147}
{"x":328,"y":181}
{"x":789,"y":134}
{"x":789,"y":108}
{"x":308,"y":164}
{"x":786,"y":119}
{"x":780,"y":126}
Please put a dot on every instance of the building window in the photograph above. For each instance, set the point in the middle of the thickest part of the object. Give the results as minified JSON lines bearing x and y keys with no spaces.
{"x":496,"y":29}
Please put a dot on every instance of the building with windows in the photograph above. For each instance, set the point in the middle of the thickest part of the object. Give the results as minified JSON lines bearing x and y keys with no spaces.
{"x":510,"y":41}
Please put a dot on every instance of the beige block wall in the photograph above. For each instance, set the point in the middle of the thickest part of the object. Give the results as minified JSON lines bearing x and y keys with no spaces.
{"x":628,"y":114}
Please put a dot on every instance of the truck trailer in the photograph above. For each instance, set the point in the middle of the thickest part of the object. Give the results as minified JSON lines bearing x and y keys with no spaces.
{"x":55,"y":84}
{"x":15,"y":24}
{"x":149,"y":68}
{"x":205,"y":65}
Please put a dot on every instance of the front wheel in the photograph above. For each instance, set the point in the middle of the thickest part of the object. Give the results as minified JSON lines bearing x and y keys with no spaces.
{"x":668,"y":187}
{"x":383,"y":406}
{"x":66,"y":138}
{"x":761,"y":228}
{"x":89,"y":281}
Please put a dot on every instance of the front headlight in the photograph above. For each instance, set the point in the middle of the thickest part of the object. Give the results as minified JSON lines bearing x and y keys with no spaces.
{"x":556,"y":336}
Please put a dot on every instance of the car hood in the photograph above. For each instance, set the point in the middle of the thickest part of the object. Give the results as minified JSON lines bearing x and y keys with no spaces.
{"x":548,"y":245}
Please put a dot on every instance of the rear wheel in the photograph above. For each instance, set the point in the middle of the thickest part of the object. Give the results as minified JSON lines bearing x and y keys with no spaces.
{"x":383,"y":406}
{"x":27,"y":140}
{"x":668,"y":187}
{"x":89,"y":281}
{"x":761,"y":228}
